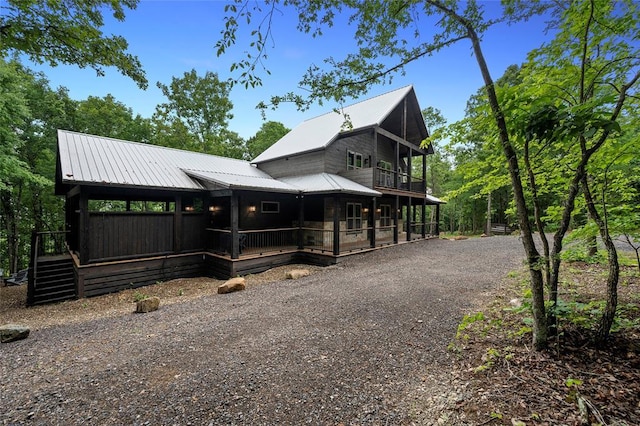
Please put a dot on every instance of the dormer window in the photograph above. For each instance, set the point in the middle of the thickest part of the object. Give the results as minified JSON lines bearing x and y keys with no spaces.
{"x":354,"y":160}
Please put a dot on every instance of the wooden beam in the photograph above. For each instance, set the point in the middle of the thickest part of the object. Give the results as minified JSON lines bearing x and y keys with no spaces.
{"x":177,"y":225}
{"x":336,"y":225}
{"x":300,"y":221}
{"x":74,"y":191}
{"x":83,"y":243}
{"x":401,"y":141}
{"x":235,"y":236}
{"x":395,"y":219}
{"x":372,"y":224}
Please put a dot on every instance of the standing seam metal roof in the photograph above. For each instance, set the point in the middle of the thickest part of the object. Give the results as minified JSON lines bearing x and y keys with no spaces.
{"x":88,"y":159}
{"x":316,"y":133}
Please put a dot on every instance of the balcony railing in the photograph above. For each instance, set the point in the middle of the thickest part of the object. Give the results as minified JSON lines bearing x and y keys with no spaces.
{"x":386,"y":179}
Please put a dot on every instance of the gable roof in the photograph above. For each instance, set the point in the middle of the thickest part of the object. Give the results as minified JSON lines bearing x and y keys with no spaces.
{"x":94,"y":160}
{"x":317,"y":133}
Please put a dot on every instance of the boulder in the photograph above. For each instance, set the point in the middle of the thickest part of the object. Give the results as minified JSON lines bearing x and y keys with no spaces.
{"x":234,"y":284}
{"x":294,"y":274}
{"x":148,"y":305}
{"x":13,"y":332}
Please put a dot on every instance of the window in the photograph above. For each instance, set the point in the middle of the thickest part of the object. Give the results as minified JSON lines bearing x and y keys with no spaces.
{"x":354,"y":217}
{"x":270,"y":207}
{"x":385,"y":215}
{"x":385,"y":173}
{"x":354,"y":160}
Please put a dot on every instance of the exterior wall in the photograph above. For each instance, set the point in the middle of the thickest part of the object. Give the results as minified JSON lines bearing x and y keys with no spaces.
{"x":309,"y":163}
{"x":336,"y":153}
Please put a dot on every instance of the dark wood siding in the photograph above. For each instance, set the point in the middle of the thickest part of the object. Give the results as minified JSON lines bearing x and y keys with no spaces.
{"x":116,"y":276}
{"x":336,"y":153}
{"x":118,"y":235}
{"x":193,"y":231}
{"x":386,"y":149}
{"x":310,"y":163}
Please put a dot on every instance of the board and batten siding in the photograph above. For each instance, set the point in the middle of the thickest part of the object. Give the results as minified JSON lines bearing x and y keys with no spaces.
{"x":309,"y":163}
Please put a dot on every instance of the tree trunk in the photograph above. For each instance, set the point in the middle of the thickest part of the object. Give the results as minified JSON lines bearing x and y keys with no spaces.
{"x":608,"y":315}
{"x":540,"y":331}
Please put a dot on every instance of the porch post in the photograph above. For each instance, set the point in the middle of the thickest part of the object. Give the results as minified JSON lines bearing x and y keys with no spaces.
{"x":409,"y":218}
{"x":300,"y":221}
{"x":336,"y":225}
{"x":235,"y":241}
{"x":84,"y":228}
{"x":409,"y":167}
{"x":438,"y":219}
{"x":177,"y":225}
{"x":423,"y":217}
{"x":396,"y":166}
{"x":372,"y":223}
{"x":396,"y":207}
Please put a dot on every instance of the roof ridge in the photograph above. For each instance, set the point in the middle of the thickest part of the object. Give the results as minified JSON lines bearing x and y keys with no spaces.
{"x":359,"y":102}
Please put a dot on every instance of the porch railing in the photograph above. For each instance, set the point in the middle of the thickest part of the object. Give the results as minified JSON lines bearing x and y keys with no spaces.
{"x":384,"y":235}
{"x":264,"y":241}
{"x":268,"y":240}
{"x":317,"y":239}
{"x":51,"y":243}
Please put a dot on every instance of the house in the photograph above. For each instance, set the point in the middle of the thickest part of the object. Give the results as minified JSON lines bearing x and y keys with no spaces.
{"x":136,"y":213}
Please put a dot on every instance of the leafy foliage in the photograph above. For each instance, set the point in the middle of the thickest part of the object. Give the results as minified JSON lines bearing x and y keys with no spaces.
{"x":68,"y":32}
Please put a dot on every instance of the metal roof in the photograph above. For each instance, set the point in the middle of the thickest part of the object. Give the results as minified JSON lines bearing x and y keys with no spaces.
{"x":434,"y":200}
{"x":88,"y":159}
{"x":235,"y":181}
{"x":317,"y":133}
{"x":323,"y":183}
{"x":94,"y":160}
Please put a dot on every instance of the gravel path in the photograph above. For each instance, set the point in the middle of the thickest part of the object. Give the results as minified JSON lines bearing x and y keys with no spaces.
{"x":360,"y":342}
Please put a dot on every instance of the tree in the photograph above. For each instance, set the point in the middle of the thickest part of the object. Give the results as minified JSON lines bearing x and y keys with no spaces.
{"x":27,"y":161}
{"x":390,"y":35}
{"x":201,"y":105}
{"x":111,"y":118}
{"x":268,"y":134}
{"x":68,"y":32}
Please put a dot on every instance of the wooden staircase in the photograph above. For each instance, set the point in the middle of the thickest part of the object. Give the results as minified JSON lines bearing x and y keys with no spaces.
{"x":53,"y":280}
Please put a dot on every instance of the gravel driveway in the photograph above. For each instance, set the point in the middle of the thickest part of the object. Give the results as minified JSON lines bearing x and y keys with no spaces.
{"x":356,"y":343}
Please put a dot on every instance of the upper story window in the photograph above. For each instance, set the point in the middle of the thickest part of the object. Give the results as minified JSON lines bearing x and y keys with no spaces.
{"x":354,"y":160}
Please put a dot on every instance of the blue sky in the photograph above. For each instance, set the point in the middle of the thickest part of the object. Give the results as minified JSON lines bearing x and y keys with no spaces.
{"x":172,"y":37}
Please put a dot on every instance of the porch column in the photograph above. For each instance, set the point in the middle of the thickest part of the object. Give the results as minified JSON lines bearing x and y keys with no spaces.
{"x":235,"y":241}
{"x":300,"y":221}
{"x":372,"y":223}
{"x":409,"y":168}
{"x":423,"y":217}
{"x":84,"y":228}
{"x":177,"y":226}
{"x":409,"y":218}
{"x":396,"y":180}
{"x":396,"y":207}
{"x":336,"y":225}
{"x":438,"y":219}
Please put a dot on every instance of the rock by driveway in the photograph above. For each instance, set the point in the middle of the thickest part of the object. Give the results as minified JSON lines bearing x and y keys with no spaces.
{"x":352,"y":344}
